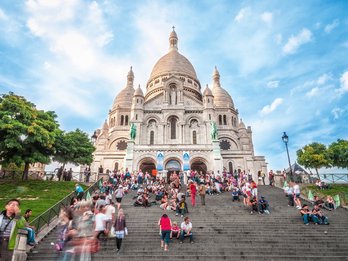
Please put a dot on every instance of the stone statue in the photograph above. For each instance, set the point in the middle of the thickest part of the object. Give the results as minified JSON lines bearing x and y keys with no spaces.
{"x":173,"y":96}
{"x":213,"y":133}
{"x":133,"y":131}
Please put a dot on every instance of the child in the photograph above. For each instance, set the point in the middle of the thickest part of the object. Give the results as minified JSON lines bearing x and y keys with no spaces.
{"x":175,"y":231}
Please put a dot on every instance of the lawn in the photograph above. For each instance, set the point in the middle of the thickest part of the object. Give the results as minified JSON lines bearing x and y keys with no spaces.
{"x":341,"y":190}
{"x":35,"y":194}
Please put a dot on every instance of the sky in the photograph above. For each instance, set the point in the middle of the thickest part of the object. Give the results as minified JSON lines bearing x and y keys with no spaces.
{"x":285,"y":63}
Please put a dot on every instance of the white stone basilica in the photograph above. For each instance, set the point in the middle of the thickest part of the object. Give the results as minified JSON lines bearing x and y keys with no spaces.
{"x":175,"y":117}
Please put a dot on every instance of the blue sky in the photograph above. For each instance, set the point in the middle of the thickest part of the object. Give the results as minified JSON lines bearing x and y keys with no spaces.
{"x":285,"y":63}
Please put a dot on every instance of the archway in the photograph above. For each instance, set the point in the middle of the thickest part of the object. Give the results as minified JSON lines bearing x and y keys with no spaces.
{"x":172,"y":166}
{"x":199,"y":165}
{"x":147,"y":165}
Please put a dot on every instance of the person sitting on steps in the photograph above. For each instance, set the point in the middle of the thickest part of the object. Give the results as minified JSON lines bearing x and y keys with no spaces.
{"x":263,"y":206}
{"x":323,"y":220}
{"x":186,"y":230}
{"x":308,"y":216}
{"x":175,"y":231}
{"x":181,"y":208}
{"x":235,"y":195}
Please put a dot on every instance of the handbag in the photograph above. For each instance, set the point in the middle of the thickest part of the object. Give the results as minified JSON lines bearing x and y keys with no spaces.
{"x":112,"y":232}
{"x":126,"y":231}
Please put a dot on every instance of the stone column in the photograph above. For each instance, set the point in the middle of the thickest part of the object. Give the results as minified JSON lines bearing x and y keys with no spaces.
{"x":218,"y":165}
{"x":129,"y":155}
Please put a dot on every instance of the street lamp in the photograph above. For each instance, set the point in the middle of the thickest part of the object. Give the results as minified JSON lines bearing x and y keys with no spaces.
{"x":285,"y":139}
{"x":94,"y":137}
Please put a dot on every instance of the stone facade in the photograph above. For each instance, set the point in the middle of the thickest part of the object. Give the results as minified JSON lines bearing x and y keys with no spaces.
{"x":172,"y":117}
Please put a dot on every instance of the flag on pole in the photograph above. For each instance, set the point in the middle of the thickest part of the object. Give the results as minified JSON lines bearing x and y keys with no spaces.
{"x":337,"y":200}
{"x":310,"y":195}
{"x":88,"y":196}
{"x":285,"y":184}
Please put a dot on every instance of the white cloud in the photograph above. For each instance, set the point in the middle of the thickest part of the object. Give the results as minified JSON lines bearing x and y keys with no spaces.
{"x":267,"y":17}
{"x":344,"y":84}
{"x":241,"y":14}
{"x":3,"y":16}
{"x":337,"y":113}
{"x":329,"y":27}
{"x":313,"y":92}
{"x":323,"y":79}
{"x":295,"y":42}
{"x":270,"y":108}
{"x":273,"y":84}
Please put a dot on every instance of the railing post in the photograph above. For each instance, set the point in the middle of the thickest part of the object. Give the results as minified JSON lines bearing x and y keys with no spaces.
{"x":20,"y":250}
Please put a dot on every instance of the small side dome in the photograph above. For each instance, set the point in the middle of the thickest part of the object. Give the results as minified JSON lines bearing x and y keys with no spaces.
{"x":124,"y":98}
{"x":241,"y":125}
{"x":207,"y":91}
{"x":221,"y":97}
{"x":139,"y":92}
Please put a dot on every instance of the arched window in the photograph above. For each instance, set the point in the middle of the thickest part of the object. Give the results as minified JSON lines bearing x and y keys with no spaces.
{"x":225,"y":120}
{"x":116,"y":166}
{"x":220,"y":119}
{"x":194,"y":137}
{"x":152,"y":137}
{"x":230,"y":168}
{"x":126,"y":120}
{"x":208,"y":100}
{"x":173,"y":128}
{"x":122,"y":119}
{"x":136,"y":117}
{"x":137,"y":100}
{"x":210,"y":117}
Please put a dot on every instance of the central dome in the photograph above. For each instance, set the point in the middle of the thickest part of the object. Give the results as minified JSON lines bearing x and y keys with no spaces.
{"x":173,"y":62}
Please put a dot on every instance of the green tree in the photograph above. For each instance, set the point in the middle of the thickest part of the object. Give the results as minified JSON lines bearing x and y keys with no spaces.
{"x":74,"y":147}
{"x":314,"y":156}
{"x":27,"y":134}
{"x":338,"y":153}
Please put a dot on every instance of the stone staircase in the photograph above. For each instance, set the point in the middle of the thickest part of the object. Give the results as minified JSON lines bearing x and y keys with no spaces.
{"x":225,"y":231}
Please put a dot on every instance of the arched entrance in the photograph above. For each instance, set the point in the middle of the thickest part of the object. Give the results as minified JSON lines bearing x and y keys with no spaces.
{"x":147,"y":165}
{"x":172,"y":166}
{"x":199,"y":165}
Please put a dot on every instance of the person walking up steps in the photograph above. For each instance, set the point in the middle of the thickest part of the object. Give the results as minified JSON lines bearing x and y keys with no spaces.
{"x":119,"y":193}
{"x":165,"y":227}
{"x":202,"y":192}
{"x":120,"y":228}
{"x":193,"y":191}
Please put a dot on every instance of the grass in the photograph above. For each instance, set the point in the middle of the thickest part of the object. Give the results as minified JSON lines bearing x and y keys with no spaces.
{"x":35,"y":194}
{"x":341,"y":190}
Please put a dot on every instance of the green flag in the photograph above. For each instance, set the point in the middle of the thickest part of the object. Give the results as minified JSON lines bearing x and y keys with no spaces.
{"x":100,"y":184}
{"x":88,"y":196}
{"x":310,"y":195}
{"x":285,"y":184}
{"x":337,"y":200}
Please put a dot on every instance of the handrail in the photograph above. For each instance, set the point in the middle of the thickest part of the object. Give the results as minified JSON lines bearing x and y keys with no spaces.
{"x":46,"y":217}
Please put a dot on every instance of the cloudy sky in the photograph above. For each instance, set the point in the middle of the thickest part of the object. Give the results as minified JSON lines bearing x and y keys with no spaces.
{"x":285,"y":63}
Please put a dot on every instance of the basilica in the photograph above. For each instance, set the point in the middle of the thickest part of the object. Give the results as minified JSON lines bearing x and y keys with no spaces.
{"x":176,"y":126}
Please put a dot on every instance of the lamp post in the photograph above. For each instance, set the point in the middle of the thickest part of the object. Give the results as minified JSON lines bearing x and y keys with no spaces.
{"x":285,"y":139}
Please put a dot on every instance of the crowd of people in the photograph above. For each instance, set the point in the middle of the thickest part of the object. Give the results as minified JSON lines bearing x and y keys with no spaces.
{"x":86,"y":224}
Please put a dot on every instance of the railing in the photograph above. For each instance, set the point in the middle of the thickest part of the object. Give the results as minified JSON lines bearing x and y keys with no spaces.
{"x":334,"y":178}
{"x":49,"y":215}
{"x":76,"y":176}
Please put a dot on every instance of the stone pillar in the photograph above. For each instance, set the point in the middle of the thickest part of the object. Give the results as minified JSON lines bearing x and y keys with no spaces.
{"x":20,"y":250}
{"x":129,"y":155}
{"x":217,"y":157}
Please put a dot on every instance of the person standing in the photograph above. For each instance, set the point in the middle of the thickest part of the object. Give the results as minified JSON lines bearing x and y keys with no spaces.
{"x":202,"y":192}
{"x":120,"y":228}
{"x":79,"y":192}
{"x":119,"y":193}
{"x":193,"y":191}
{"x":271,"y":178}
{"x":165,"y":225}
{"x":10,"y":222}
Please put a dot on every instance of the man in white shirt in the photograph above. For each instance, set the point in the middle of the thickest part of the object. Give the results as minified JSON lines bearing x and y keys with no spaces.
{"x":100,"y":223}
{"x":110,"y":215}
{"x":186,"y":228}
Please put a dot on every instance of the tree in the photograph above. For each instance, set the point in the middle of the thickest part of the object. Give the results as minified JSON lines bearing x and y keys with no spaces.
{"x":313,"y":155}
{"x":27,"y":134}
{"x":338,"y":153}
{"x":74,"y":147}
